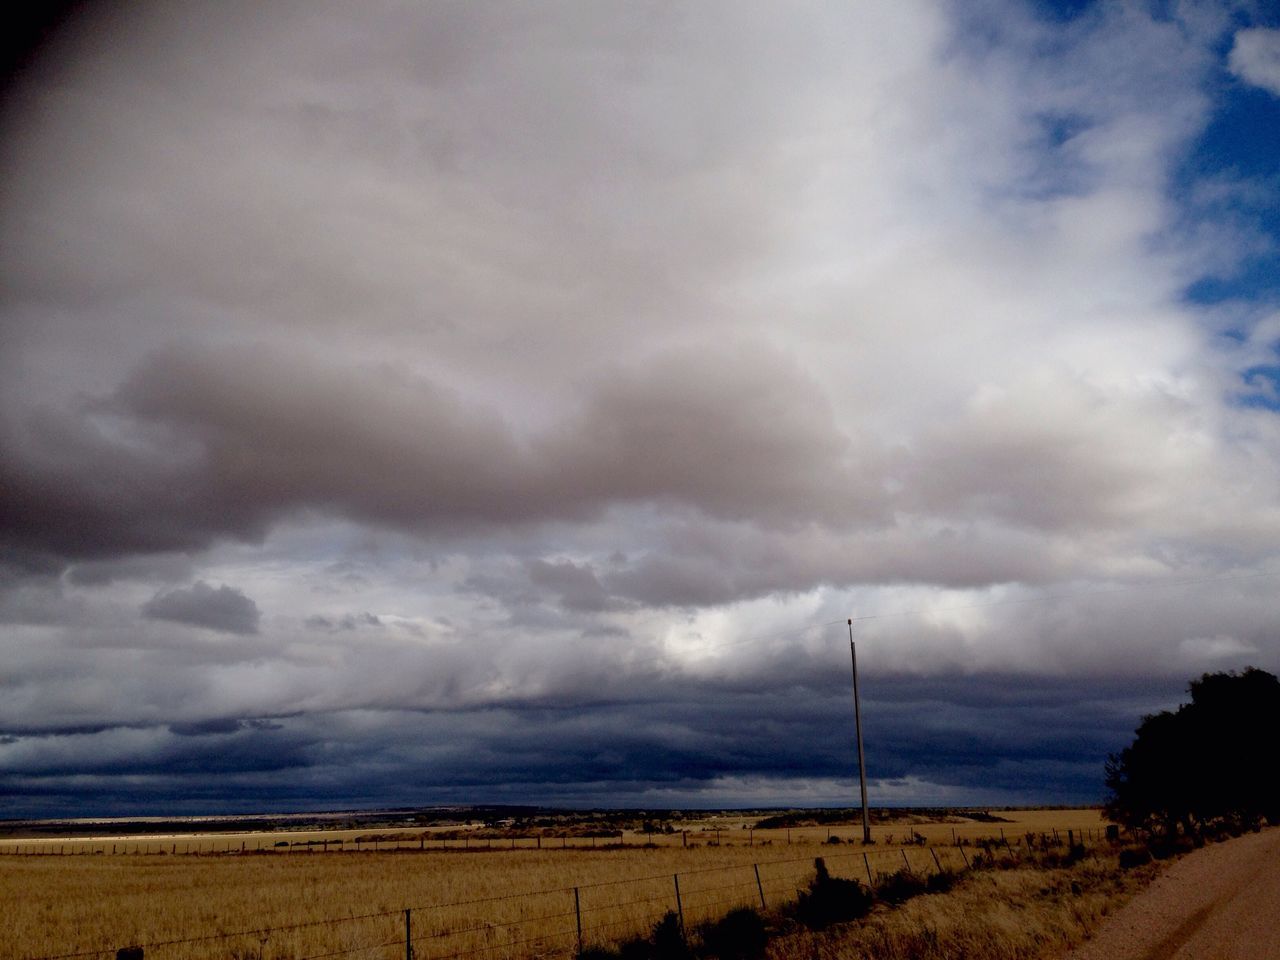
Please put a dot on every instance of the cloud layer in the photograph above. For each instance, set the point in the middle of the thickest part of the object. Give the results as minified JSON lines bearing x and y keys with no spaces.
{"x":521,"y":401}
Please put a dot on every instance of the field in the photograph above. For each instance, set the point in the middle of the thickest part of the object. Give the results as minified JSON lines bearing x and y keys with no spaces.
{"x":469,"y":895}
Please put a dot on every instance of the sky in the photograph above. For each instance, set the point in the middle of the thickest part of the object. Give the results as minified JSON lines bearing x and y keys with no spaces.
{"x":472,"y":402}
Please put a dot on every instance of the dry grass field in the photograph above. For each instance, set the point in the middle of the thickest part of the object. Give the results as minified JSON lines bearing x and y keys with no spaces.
{"x":477,"y":898}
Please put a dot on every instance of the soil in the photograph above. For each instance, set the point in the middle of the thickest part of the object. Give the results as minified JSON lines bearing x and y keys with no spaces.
{"x":1221,"y":902}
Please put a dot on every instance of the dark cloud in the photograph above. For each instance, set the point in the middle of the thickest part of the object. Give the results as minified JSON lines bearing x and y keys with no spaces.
{"x":575,"y":586}
{"x":163,"y":567}
{"x":203,"y":443}
{"x":346,"y":622}
{"x":224,"y":608}
{"x":998,"y":737}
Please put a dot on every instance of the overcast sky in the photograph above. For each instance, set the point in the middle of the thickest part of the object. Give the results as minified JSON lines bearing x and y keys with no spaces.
{"x":405,"y":403}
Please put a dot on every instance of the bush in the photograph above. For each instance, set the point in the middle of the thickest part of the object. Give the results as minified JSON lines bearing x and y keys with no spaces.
{"x":942,"y":882}
{"x":831,"y":900}
{"x":1228,"y":715}
{"x":1131,"y":857}
{"x":739,"y":935}
{"x":666,"y":942}
{"x":668,"y":939}
{"x":901,"y":886}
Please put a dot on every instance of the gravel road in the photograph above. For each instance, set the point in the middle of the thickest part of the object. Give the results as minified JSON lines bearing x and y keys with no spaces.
{"x":1218,"y":903}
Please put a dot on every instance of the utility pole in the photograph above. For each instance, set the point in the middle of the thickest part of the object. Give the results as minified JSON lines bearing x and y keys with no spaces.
{"x":857,"y":724}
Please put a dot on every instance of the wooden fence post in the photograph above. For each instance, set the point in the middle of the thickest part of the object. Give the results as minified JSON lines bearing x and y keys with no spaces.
{"x":759,"y":885}
{"x":679,"y":903}
{"x":577,"y":912}
{"x":867,"y":863}
{"x":905,"y":860}
{"x":936,"y":862}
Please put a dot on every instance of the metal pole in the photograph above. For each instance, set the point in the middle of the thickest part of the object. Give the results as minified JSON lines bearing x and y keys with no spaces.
{"x":408,"y":937}
{"x":857,"y":721}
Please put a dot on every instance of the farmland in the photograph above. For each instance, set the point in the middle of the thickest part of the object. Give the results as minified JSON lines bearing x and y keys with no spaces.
{"x":472,"y":891}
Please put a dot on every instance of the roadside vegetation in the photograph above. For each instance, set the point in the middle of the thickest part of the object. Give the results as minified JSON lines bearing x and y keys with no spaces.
{"x":1035,"y":904}
{"x":1196,"y":773}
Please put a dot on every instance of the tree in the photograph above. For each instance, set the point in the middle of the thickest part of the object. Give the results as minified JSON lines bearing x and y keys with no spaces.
{"x":1208,"y":765}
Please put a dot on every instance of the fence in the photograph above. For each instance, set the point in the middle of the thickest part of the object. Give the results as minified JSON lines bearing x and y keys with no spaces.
{"x":423,"y":841}
{"x":562,"y":922}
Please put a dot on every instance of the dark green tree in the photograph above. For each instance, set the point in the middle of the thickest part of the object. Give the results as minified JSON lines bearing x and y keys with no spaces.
{"x":1207,"y":766}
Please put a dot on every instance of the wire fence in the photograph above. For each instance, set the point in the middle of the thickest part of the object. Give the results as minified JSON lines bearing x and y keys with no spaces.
{"x":462,"y":841}
{"x":565,"y":921}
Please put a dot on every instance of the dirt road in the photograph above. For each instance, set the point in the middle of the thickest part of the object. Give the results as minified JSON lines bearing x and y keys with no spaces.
{"x":1219,"y":903}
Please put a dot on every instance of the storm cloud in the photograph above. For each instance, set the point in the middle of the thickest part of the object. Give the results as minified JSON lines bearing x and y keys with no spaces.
{"x":222,"y":608}
{"x":471,"y":403}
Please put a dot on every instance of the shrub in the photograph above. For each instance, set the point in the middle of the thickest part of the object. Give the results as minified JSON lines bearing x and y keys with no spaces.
{"x":668,"y":939}
{"x":739,"y":935}
{"x":831,"y":900}
{"x":1131,"y":857}
{"x":900,"y":887}
{"x":666,"y":942}
{"x":942,"y":882}
{"x":1221,"y":726}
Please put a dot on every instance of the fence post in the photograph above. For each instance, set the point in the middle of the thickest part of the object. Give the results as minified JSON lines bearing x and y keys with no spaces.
{"x":759,"y":885}
{"x":577,"y":912}
{"x":905,"y":860}
{"x":936,"y":863}
{"x":679,"y":904}
{"x":964,"y":856}
{"x":408,"y":939}
{"x":867,"y":863}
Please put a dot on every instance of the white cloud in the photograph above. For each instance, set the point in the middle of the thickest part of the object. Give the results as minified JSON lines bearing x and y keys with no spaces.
{"x":1255,"y":58}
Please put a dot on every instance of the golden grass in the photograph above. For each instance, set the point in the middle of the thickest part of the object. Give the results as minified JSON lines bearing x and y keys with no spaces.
{"x":501,"y":902}
{"x":1025,"y":913}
